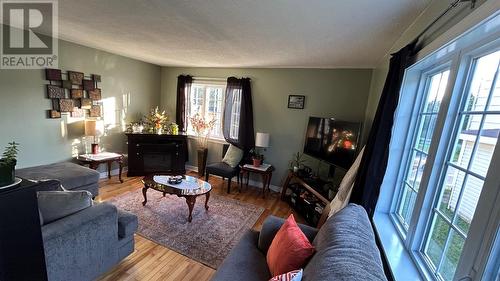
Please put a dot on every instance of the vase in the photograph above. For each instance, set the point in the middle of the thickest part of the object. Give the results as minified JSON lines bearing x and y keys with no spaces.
{"x":7,"y":173}
{"x":257,"y":162}
{"x":202,"y":160}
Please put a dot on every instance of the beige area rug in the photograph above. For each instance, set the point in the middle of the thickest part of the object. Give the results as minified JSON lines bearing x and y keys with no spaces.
{"x":208,"y":238}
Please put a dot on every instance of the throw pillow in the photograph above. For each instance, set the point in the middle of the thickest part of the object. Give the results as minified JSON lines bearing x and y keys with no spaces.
{"x":295,"y":275}
{"x":233,"y":156}
{"x":289,"y":250}
{"x":54,"y":205}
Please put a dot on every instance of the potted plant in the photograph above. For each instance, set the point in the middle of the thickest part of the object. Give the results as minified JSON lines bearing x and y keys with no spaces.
{"x":296,"y":162}
{"x":201,"y":128}
{"x":8,"y":164}
{"x":257,"y":159}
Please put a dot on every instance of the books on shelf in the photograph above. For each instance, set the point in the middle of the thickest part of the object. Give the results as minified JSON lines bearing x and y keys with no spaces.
{"x":263,"y":167}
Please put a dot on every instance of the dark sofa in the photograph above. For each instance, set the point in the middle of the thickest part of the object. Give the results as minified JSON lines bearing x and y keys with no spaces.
{"x":71,"y":176}
{"x":345,"y":250}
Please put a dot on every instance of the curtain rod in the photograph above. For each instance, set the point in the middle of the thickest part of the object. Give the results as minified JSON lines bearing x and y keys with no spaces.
{"x":209,"y":78}
{"x":452,"y":5}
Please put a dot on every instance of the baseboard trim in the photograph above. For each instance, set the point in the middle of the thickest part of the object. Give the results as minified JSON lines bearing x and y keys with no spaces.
{"x":114,"y":172}
{"x":250,"y":182}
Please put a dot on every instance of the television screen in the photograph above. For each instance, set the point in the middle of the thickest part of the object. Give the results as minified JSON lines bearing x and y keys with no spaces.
{"x":332,"y":140}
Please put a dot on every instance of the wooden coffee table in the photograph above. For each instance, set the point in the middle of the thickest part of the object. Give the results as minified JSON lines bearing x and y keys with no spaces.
{"x":189,"y":188}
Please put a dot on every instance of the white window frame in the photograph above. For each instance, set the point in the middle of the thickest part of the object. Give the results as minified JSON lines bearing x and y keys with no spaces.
{"x":419,"y":99}
{"x":206,"y":84}
{"x":401,"y":247}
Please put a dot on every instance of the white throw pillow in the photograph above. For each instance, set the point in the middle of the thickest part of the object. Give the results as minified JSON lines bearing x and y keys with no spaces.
{"x":233,"y":156}
{"x":342,"y":198}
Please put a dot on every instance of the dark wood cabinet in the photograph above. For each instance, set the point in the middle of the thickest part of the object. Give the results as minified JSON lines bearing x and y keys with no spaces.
{"x":152,"y":153}
{"x":21,"y":246}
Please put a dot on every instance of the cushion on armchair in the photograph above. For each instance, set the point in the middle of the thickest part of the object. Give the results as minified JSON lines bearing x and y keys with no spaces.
{"x":233,"y":156}
{"x":54,"y":205}
{"x":221,"y":169}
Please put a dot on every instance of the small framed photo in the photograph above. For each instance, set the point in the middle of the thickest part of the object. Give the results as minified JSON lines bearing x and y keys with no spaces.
{"x":296,"y":101}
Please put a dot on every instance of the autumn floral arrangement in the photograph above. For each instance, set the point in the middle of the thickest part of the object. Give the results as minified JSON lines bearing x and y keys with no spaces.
{"x":156,"y":120}
{"x":201,"y":128}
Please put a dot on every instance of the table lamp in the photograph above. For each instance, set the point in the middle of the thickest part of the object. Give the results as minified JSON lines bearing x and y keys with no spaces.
{"x":91,"y":130}
{"x":262,"y":140}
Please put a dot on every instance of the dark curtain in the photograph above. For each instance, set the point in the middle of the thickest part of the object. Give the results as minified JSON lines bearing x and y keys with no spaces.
{"x":374,"y":162}
{"x":183,"y":88}
{"x":239,"y":95}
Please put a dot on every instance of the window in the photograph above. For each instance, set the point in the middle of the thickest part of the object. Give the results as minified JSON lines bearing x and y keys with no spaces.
{"x":207,"y":99}
{"x":426,"y":121}
{"x":440,"y":198}
{"x":464,"y":172}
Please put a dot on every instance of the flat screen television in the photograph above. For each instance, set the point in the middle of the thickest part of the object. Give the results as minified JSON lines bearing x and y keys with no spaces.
{"x":333,"y":141}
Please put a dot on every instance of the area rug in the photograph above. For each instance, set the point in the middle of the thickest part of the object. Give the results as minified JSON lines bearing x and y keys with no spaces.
{"x":208,"y":238}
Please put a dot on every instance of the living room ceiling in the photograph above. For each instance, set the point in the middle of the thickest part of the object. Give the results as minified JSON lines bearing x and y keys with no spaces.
{"x":247,"y":33}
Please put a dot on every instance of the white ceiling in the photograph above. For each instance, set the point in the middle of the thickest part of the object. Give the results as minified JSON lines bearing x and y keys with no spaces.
{"x":244,"y":33}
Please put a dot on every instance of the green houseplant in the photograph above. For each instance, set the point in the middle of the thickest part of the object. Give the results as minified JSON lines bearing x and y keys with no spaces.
{"x":8,"y":164}
{"x":296,"y":162}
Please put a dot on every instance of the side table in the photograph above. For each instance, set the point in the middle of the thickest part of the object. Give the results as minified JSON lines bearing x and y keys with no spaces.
{"x":265,"y":170}
{"x":94,"y":160}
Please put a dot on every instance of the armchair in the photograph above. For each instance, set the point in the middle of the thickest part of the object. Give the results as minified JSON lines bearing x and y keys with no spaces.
{"x":223,"y":170}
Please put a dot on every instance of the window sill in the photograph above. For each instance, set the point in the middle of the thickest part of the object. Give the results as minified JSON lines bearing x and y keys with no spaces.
{"x":211,"y":140}
{"x":402,"y":266}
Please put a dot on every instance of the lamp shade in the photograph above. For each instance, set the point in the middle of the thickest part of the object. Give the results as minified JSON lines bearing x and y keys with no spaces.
{"x":90,"y":128}
{"x":262,"y":140}
{"x":93,"y":128}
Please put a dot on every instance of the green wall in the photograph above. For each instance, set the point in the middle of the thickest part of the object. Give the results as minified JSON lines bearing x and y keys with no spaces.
{"x":339,"y":93}
{"x":133,"y":86}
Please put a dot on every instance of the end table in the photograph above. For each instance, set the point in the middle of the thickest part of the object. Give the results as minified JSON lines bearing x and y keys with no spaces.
{"x":265,"y":170}
{"x":94,"y":160}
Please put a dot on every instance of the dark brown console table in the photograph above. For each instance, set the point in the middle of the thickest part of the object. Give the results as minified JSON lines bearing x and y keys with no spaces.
{"x":153,"y":153}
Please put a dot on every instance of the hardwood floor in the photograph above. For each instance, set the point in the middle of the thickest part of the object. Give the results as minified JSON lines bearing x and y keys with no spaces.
{"x":151,"y":261}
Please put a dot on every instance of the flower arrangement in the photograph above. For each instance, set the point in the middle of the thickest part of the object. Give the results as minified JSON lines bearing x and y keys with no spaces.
{"x":201,"y":128}
{"x":156,"y":120}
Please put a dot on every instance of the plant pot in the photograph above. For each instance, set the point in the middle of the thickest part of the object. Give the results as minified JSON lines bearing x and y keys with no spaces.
{"x":295,"y":169}
{"x":202,"y":160}
{"x":257,"y":162}
{"x":7,"y":173}
{"x":95,"y":148}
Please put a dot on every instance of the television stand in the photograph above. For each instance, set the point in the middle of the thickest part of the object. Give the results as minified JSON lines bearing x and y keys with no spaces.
{"x":304,"y":206}
{"x":293,"y":176}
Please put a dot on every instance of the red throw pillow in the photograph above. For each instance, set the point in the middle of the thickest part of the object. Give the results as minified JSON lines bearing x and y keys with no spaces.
{"x":289,"y":250}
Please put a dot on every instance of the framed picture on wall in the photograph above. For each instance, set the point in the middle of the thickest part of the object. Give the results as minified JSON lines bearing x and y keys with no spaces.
{"x":296,"y":101}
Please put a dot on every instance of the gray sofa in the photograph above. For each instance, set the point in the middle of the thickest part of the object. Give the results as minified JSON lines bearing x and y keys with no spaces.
{"x":345,"y":250}
{"x":86,"y":244}
{"x":71,"y":176}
